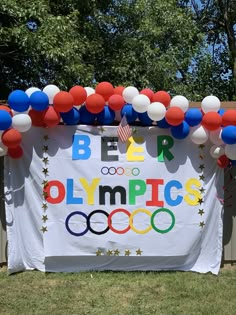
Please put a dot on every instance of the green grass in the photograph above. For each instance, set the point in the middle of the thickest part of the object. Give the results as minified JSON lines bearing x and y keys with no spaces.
{"x":118,"y":293}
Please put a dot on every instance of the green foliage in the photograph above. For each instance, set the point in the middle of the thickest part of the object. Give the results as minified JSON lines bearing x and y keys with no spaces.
{"x":146,"y":43}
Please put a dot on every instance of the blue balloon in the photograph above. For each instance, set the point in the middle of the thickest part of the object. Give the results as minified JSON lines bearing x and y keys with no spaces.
{"x":233,"y":162}
{"x":193,"y":116}
{"x":5,"y":120}
{"x":129,"y":112}
{"x":72,"y":117}
{"x":106,"y":116}
{"x":163,"y":124}
{"x":145,"y":119}
{"x":86,"y":117}
{"x":221,"y":111}
{"x":39,"y":100}
{"x":19,"y":101}
{"x":181,"y":131}
{"x":228,"y":134}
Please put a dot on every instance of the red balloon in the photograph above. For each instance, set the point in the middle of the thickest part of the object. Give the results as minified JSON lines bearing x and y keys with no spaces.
{"x":229,"y":118}
{"x":95,"y":103}
{"x":119,"y":90}
{"x":63,"y":102}
{"x":174,"y":116}
{"x":37,"y":117}
{"x":51,"y":117}
{"x":6,"y":108}
{"x":223,"y":161}
{"x":211,"y":121}
{"x":11,"y":138}
{"x":148,"y":92}
{"x":162,"y":97}
{"x":116,"y":102}
{"x":105,"y":89}
{"x":79,"y":94}
{"x":15,"y":153}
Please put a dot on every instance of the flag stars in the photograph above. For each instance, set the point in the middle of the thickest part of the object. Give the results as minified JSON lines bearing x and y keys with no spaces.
{"x":109,"y":252}
{"x":44,"y":206}
{"x":127,"y":252}
{"x":116,"y":252}
{"x":45,"y":160}
{"x":45,"y":148}
{"x":99,"y":252}
{"x":46,"y":137}
{"x":202,"y":190}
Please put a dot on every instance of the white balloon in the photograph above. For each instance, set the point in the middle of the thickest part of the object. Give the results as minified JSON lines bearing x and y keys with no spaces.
{"x":18,"y":113}
{"x":230,"y":151}
{"x":210,"y":104}
{"x":3,"y":149}
{"x":31,"y":90}
{"x":129,"y":93}
{"x":199,"y":135}
{"x":156,"y":111}
{"x":216,"y":151}
{"x":140,"y":103}
{"x":51,"y":90}
{"x":215,"y":136}
{"x":89,"y":90}
{"x":180,"y":101}
{"x":21,"y":122}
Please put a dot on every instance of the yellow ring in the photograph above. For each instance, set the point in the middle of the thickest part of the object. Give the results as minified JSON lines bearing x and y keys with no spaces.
{"x":131,"y":221}
{"x":127,"y":173}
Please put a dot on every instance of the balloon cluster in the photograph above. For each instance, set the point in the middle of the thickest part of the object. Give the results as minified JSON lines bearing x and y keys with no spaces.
{"x":106,"y":104}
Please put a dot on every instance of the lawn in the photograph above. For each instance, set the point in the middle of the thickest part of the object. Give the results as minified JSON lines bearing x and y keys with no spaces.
{"x":118,"y":293}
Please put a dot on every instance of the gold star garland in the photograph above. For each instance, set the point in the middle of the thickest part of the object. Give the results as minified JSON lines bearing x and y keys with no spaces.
{"x":45,"y":171}
{"x":201,"y":189}
{"x":116,"y":252}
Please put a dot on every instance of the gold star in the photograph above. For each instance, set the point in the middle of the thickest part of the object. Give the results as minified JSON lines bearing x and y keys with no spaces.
{"x":116,"y":252}
{"x":109,"y":252}
{"x":46,"y":137}
{"x":45,"y":160}
{"x":45,"y":183}
{"x":99,"y":252}
{"x":102,"y":129}
{"x":201,"y":224}
{"x":44,"y":229}
{"x":202,"y":190}
{"x":201,"y":211}
{"x":201,"y":177}
{"x":127,"y":252}
{"x":200,"y":201}
{"x":201,"y":146}
{"x":139,"y":252}
{"x":44,"y":206}
{"x":45,"y":195}
{"x":44,"y":218}
{"x":201,"y":166}
{"x":45,"y":171}
{"x":45,"y":148}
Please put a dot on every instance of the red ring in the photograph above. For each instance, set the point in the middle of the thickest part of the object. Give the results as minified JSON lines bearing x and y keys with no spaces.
{"x":121,"y":169}
{"x":109,"y":221}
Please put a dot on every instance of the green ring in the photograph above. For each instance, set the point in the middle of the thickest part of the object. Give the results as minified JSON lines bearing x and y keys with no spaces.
{"x":170,"y":227}
{"x":135,"y":168}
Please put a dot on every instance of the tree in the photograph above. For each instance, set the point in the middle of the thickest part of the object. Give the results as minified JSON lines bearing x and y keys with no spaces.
{"x":217,"y":20}
{"x":146,"y":43}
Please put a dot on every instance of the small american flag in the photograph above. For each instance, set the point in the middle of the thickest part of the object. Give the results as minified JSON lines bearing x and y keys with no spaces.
{"x":124,"y":131}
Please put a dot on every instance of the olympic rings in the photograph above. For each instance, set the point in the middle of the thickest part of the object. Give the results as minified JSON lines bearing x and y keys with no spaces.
{"x":120,"y":171}
{"x":130,"y":220}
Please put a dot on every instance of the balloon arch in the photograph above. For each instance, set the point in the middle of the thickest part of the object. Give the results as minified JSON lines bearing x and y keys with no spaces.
{"x":106,"y":104}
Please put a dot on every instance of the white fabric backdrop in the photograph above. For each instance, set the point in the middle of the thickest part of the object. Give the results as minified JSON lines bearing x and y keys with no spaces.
{"x":39,"y":237}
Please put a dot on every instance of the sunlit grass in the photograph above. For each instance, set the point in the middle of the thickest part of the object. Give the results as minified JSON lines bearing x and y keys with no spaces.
{"x":118,"y":293}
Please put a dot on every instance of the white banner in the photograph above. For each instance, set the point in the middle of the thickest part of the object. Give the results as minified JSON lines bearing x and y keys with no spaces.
{"x":81,"y":200}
